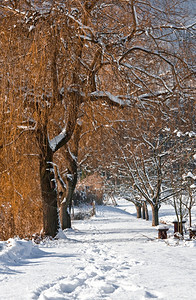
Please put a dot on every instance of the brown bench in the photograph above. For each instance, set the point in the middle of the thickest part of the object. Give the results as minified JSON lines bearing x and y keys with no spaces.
{"x":178,"y":227}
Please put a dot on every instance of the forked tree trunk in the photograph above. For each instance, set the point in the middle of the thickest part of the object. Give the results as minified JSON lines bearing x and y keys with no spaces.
{"x":71,"y":160}
{"x":155,"y":215}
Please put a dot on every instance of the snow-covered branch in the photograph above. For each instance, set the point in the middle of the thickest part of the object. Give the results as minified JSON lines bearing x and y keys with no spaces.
{"x":110,"y":98}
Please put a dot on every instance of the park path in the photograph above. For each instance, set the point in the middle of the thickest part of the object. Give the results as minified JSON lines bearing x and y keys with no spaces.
{"x":111,"y":256}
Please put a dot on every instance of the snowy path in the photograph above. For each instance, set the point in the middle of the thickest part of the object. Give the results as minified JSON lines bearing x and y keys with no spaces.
{"x":111,"y":256}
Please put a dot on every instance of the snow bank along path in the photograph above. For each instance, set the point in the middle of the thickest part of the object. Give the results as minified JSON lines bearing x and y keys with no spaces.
{"x":112,"y":256}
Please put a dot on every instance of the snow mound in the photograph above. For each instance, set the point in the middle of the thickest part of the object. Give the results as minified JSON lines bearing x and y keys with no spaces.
{"x":61,"y":235}
{"x":15,"y":249}
{"x":191,"y":244}
{"x":162,"y":227}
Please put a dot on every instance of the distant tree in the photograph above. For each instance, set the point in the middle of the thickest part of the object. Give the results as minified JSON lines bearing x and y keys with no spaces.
{"x":182,"y":175}
{"x":190,"y":200}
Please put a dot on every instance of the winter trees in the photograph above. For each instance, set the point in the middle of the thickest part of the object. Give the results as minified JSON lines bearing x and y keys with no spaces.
{"x":148,"y":170}
{"x":73,"y":56}
{"x":182,"y":175}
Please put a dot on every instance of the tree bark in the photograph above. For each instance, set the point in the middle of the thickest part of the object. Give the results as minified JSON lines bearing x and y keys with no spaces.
{"x":49,"y":196}
{"x":71,"y":181}
{"x":65,"y":218}
{"x":155,"y":215}
{"x":139,"y":212}
{"x":143,"y":211}
{"x":146,"y":211}
{"x":65,"y":208}
{"x":190,"y":217}
{"x":48,"y":184}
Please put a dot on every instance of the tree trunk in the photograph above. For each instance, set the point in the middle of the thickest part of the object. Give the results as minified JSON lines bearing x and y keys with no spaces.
{"x":138,"y":209}
{"x":143,"y":212}
{"x":65,"y":218}
{"x":49,"y":196}
{"x":65,"y":208}
{"x":155,"y":215}
{"x":48,"y":184}
{"x":71,"y":160}
{"x":190,"y":218}
{"x":146,"y":211}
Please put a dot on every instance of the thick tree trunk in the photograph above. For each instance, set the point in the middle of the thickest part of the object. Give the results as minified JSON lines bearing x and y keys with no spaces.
{"x":155,"y":215}
{"x":65,"y":218}
{"x":48,"y":183}
{"x":49,"y":196}
{"x":139,"y":211}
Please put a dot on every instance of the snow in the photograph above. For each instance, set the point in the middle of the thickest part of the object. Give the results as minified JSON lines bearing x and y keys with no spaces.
{"x":113,"y":255}
{"x":31,"y":28}
{"x":190,"y":134}
{"x":111,"y":97}
{"x":72,"y":155}
{"x":16,"y":249}
{"x":57,"y":139}
{"x":189,"y":175}
{"x":193,"y":186}
{"x":162,"y":227}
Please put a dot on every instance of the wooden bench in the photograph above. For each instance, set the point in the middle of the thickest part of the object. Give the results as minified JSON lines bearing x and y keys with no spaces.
{"x":178,"y":227}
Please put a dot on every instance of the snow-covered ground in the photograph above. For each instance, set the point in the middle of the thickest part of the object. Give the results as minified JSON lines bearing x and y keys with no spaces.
{"x":111,"y":256}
